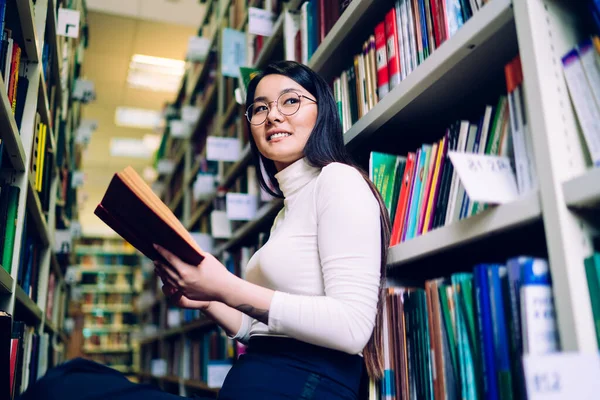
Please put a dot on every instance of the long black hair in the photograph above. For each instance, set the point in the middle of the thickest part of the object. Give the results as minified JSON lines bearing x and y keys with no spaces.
{"x":325,"y":146}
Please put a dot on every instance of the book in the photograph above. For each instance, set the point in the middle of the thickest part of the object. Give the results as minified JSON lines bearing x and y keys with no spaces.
{"x":132,"y":210}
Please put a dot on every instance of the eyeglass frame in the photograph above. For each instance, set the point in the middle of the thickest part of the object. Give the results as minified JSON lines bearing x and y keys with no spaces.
{"x":268,"y":103}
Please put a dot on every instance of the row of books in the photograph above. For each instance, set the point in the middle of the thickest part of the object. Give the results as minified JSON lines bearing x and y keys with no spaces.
{"x":9,"y":202}
{"x":463,"y":336}
{"x":592,"y":273}
{"x":191,"y":358}
{"x":408,"y":35}
{"x":41,"y":161}
{"x":581,"y":66}
{"x":422,"y":191}
{"x":30,"y":259}
{"x":24,"y":356}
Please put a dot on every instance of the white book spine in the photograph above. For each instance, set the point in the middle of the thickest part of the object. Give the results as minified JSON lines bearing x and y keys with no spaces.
{"x":582,"y":98}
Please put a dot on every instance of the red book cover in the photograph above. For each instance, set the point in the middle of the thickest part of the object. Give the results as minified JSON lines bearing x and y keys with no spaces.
{"x":437,"y":22}
{"x":402,"y":205}
{"x":383,"y":80}
{"x":393,"y":50}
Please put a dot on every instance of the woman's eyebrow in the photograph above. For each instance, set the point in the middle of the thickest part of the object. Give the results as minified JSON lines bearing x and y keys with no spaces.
{"x":264,"y":98}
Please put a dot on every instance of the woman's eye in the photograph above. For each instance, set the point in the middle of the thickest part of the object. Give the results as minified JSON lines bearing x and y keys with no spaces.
{"x":260,"y":109}
{"x":290,"y":101}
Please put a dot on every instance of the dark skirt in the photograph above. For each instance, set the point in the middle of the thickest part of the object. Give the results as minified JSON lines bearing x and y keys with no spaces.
{"x":281,"y":368}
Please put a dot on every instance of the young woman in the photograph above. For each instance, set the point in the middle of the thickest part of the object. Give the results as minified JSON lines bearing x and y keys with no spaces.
{"x":310,"y":309}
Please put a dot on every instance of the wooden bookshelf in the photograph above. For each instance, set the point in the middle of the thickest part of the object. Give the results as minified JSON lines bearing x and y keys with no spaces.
{"x":178,"y":330}
{"x":6,"y":282}
{"x":13,"y":144}
{"x":34,"y":313}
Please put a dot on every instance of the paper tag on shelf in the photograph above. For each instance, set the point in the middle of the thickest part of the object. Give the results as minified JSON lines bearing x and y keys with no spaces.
{"x":562,"y":376}
{"x":68,"y":23}
{"x":198,"y":48}
{"x":241,"y":206}
{"x":222,"y":149}
{"x":487,"y":179}
{"x":260,"y":22}
{"x":233,"y":52}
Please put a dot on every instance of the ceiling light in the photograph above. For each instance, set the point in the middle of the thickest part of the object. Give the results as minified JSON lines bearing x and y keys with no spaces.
{"x":155,"y":73}
{"x":137,"y":117}
{"x":129,"y":147}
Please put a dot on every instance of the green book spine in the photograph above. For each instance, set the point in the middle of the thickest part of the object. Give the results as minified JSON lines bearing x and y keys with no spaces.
{"x":11,"y":227}
{"x":592,"y":272}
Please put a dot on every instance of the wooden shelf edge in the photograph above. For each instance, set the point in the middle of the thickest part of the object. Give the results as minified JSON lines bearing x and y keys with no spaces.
{"x":187,"y":327}
{"x":491,"y":221}
{"x":35,"y":210}
{"x":583,"y":191}
{"x":9,"y":132}
{"x":273,"y":41}
{"x":6,"y":281}
{"x":24,"y":300}
{"x":26,"y":16}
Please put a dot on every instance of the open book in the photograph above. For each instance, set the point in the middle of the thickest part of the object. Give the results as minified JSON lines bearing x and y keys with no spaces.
{"x":133,"y":211}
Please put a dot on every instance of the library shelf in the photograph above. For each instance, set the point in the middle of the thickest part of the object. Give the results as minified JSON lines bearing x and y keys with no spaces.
{"x":195,"y":325}
{"x":232,"y":173}
{"x":35,"y":210}
{"x":176,"y":200}
{"x":54,"y":43}
{"x":99,"y":251}
{"x":90,"y":308}
{"x":44,"y":107}
{"x":110,"y":328}
{"x":229,"y":113}
{"x":491,"y":221}
{"x":28,"y":304}
{"x":271,"y":43}
{"x":26,"y":16}
{"x":92,"y":288}
{"x":481,"y":45}
{"x":56,"y":267}
{"x":9,"y":132}
{"x":107,"y":349}
{"x":208,"y":105}
{"x":584,"y":190}
{"x":52,"y":329}
{"x":107,"y":269}
{"x":179,"y":157}
{"x":267,"y":211}
{"x":6,"y":281}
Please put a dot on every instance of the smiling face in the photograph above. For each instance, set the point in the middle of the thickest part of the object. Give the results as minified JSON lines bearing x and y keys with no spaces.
{"x":281,"y":137}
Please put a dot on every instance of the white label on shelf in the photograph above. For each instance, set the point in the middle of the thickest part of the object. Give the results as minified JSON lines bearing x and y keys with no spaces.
{"x":260,"y":22}
{"x":233,"y":53}
{"x":68,"y":23}
{"x":562,"y":376}
{"x":180,"y":129}
{"x":222,"y":149}
{"x":84,"y":90}
{"x":78,"y":179}
{"x":198,"y":48}
{"x":487,"y":179}
{"x":204,"y":186}
{"x":241,"y":206}
{"x":217,"y":372}
{"x":190,"y":114}
{"x":220,"y":225}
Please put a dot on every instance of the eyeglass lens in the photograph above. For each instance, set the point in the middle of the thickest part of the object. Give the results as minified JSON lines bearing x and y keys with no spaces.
{"x":287,"y":104}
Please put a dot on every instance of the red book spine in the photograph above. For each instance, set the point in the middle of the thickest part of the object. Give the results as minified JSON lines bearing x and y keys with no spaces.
{"x":393,"y":50}
{"x":383,"y":80}
{"x":402,"y":205}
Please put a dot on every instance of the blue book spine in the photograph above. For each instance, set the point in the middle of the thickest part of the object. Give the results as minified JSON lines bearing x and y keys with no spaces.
{"x":2,"y":18}
{"x":482,"y":297}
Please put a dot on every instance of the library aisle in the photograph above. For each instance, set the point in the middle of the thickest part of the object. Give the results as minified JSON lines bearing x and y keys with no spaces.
{"x":476,"y":120}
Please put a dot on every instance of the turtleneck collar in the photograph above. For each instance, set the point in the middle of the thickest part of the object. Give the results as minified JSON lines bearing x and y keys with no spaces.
{"x":295,"y":176}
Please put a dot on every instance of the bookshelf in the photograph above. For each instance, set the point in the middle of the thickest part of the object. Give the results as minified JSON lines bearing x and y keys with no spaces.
{"x":106,"y":278}
{"x":37,"y":113}
{"x":557,"y":220}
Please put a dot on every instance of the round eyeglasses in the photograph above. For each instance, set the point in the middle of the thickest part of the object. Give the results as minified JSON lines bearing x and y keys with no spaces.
{"x":288,"y":103}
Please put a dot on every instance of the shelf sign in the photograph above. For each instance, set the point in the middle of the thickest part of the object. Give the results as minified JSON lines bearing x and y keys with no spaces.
{"x":241,"y":206}
{"x":260,"y":22}
{"x":233,"y":53}
{"x":562,"y":376}
{"x":487,"y":179}
{"x":68,"y":23}
{"x":222,"y":149}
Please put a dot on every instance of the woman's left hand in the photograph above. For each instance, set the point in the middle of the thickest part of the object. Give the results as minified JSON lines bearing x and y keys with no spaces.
{"x":208,"y":281}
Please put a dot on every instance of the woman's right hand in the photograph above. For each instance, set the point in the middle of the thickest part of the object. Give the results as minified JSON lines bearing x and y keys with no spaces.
{"x":176,"y":298}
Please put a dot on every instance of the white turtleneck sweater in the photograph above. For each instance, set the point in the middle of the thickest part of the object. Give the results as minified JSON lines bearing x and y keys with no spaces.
{"x":322,"y":260}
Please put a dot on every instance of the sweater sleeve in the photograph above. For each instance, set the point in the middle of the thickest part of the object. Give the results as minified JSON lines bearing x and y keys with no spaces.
{"x":349,"y":244}
{"x":243,"y":334}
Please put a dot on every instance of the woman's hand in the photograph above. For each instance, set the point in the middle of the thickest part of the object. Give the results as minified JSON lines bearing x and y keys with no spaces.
{"x":176,"y":298}
{"x":209,"y":281}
